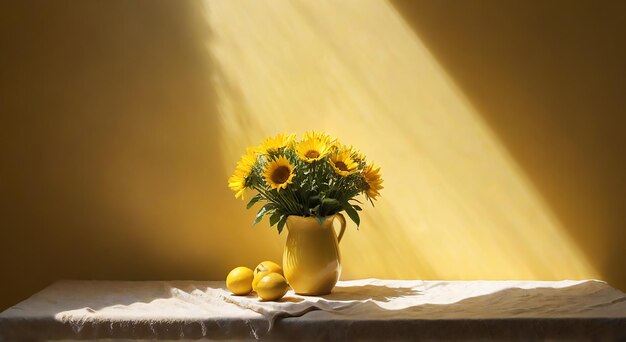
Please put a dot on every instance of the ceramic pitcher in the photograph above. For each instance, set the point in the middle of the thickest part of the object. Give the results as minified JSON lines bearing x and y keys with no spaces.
{"x":311,"y":260}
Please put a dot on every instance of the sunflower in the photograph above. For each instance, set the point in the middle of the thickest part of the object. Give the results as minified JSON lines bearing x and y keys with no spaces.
{"x":373,"y":181}
{"x":342,"y":162}
{"x":355,"y":154}
{"x":312,"y":135}
{"x":275,"y":144}
{"x":237,"y":182}
{"x":279,"y":173}
{"x":312,"y":149}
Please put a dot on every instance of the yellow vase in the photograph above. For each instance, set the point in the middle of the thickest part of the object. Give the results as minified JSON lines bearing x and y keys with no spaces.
{"x":311,"y":260}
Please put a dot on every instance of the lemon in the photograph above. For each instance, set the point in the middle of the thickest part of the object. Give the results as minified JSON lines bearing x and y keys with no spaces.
{"x":239,"y":281}
{"x":263,"y":269}
{"x":272,"y":287}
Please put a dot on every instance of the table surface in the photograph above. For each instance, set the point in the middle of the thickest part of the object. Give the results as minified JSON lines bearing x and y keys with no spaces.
{"x":358,"y":309}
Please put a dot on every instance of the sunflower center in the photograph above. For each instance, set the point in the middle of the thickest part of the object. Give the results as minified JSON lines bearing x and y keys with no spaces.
{"x":341,"y":166}
{"x":280,"y":175}
{"x":312,"y":154}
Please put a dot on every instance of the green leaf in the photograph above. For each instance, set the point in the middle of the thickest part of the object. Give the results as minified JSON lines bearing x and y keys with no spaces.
{"x":275,"y":217}
{"x":281,"y":223}
{"x":357,"y":207}
{"x":313,"y":200}
{"x":354,"y":216}
{"x":370,"y":199}
{"x":330,"y":206}
{"x":331,"y":202}
{"x":264,"y":210}
{"x":315,"y":210}
{"x":253,"y":200}
{"x":319,"y":219}
{"x":356,"y":200}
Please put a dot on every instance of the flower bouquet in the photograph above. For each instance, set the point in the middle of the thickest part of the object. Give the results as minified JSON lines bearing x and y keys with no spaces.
{"x":315,"y":176}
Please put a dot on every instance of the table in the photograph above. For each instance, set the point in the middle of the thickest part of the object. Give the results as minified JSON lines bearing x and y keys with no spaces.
{"x":360,"y":309}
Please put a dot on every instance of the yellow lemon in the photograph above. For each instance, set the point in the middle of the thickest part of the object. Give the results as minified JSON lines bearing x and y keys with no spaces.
{"x":239,"y":281}
{"x":263,"y":269}
{"x":272,"y":287}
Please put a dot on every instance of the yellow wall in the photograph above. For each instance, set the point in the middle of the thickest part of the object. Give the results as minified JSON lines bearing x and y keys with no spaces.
{"x":500,"y":139}
{"x":549,"y":79}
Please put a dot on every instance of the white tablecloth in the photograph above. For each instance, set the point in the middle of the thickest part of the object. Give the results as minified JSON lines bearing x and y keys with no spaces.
{"x":360,"y":309}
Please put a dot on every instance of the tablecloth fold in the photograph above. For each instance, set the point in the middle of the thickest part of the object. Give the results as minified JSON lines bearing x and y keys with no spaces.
{"x":357,"y":309}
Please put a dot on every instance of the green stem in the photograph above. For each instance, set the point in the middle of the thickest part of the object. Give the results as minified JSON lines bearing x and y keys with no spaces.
{"x":295,"y":200}
{"x":290,"y":204}
{"x":269,"y":196}
{"x":306,"y":207}
{"x":279,"y":200}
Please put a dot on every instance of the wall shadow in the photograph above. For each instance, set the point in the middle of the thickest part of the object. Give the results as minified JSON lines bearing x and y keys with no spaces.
{"x":110,"y":146}
{"x":549,"y":79}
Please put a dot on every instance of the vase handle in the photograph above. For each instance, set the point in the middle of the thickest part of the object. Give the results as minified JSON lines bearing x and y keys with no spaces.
{"x":342,"y":220}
